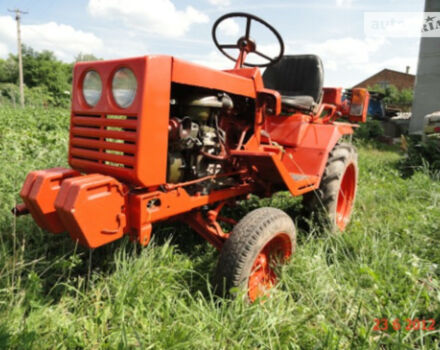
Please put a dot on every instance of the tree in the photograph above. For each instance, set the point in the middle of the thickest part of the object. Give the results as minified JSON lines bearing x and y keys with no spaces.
{"x":45,"y":77}
{"x":394,"y":97}
{"x":86,"y":57}
{"x":44,"y":69}
{"x":8,"y":70}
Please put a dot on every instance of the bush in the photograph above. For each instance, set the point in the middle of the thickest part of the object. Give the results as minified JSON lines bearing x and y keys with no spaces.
{"x":370,"y":130}
{"x":421,"y":155}
{"x":38,"y":96}
{"x":9,"y":94}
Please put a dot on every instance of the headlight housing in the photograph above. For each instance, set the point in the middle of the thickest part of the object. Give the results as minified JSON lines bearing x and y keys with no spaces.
{"x":124,"y":86}
{"x":92,"y":88}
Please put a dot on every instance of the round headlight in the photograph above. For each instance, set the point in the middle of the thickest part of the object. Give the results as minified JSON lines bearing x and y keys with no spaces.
{"x":124,"y":87}
{"x":92,"y":88}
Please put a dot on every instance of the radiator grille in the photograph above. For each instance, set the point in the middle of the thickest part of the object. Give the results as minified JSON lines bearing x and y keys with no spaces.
{"x":103,"y":142}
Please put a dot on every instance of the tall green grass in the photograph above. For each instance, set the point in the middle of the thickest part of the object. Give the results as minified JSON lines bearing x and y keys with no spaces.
{"x":54,"y":294}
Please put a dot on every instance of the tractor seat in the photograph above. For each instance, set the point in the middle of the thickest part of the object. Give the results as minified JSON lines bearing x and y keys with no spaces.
{"x":299,"y":79}
{"x":301,"y":102}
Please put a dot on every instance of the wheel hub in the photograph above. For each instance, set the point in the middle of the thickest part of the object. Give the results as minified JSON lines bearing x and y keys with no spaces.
{"x":263,"y":277}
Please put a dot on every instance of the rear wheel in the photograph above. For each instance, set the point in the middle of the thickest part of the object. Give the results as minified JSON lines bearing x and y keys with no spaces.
{"x":334,"y":200}
{"x":262,"y":239}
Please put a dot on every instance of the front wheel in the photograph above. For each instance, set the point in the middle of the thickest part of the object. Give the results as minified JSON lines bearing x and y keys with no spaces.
{"x":334,"y":200}
{"x":264,"y":238}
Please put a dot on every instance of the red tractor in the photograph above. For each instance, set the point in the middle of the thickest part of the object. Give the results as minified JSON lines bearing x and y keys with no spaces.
{"x":155,"y":138}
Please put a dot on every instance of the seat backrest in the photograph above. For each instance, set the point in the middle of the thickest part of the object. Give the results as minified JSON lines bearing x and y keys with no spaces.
{"x":296,"y":75}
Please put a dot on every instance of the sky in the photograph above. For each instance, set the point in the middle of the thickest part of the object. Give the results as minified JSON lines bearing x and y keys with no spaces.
{"x":332,"y":29}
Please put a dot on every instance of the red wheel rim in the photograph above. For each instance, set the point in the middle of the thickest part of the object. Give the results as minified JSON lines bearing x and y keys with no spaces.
{"x":262,"y":277}
{"x":346,"y":197}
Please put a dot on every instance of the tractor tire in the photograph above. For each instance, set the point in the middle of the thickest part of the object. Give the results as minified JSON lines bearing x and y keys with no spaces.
{"x":263,"y":237}
{"x":332,"y":203}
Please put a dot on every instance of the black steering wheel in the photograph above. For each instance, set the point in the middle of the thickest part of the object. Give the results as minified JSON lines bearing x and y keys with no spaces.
{"x":245,"y":44}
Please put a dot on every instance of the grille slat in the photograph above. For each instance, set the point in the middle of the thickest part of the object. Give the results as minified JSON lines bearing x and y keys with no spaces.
{"x":104,"y":143}
{"x":87,"y":143}
{"x":96,"y":167}
{"x":84,"y":153}
{"x":104,"y":134}
{"x":120,"y":123}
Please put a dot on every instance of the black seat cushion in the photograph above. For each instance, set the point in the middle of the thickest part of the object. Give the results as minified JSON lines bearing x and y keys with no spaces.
{"x":297,"y":78}
{"x":302,"y":102}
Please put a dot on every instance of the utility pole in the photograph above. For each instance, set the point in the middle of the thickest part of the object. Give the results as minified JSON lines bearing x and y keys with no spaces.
{"x":18,"y":14}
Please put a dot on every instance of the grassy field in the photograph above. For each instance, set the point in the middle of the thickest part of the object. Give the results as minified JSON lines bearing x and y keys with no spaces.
{"x":56,"y":295}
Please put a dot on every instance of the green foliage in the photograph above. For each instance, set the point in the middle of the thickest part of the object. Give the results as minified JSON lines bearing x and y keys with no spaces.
{"x":85,"y":57}
{"x":9,"y":94}
{"x":394,"y":97}
{"x":386,"y":265}
{"x":48,"y":80}
{"x":370,"y":130}
{"x":8,"y":70}
{"x":422,"y":155}
{"x":38,"y":96}
{"x":43,"y":69}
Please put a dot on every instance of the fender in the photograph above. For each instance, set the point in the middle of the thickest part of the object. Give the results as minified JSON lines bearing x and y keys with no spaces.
{"x":313,"y":147}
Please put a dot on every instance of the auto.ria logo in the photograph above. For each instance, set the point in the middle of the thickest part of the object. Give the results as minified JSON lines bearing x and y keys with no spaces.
{"x":432,"y":23}
{"x":402,"y":24}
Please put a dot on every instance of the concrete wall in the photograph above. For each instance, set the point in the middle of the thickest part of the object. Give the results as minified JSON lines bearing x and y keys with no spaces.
{"x":427,"y":88}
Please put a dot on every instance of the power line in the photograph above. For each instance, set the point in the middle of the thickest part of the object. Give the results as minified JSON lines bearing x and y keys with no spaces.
{"x":18,"y":14}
